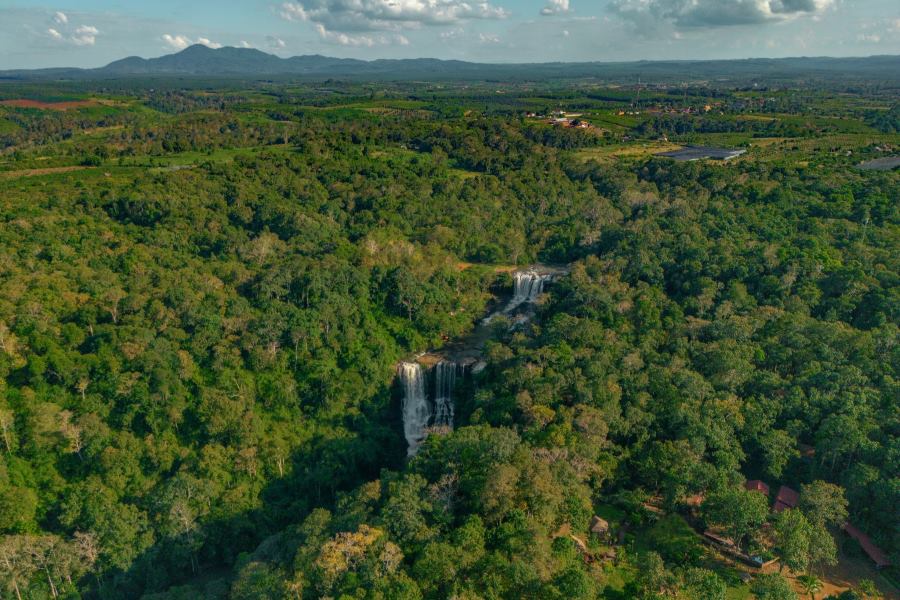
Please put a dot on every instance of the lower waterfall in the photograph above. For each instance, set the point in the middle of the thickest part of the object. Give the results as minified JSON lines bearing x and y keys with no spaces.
{"x":444,"y":380}
{"x":416,"y":410}
{"x":428,"y":400}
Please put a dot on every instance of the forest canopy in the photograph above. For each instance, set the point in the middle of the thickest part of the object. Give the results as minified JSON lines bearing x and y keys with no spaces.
{"x":206,"y":296}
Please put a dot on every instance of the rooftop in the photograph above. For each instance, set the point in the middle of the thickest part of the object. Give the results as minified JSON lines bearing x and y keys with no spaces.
{"x":875,"y":553}
{"x":786,"y":498}
{"x":702,"y":152}
{"x":755,"y":485}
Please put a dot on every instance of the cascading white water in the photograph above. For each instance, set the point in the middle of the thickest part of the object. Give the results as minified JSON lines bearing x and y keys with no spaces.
{"x":444,"y":380}
{"x":528,"y":286}
{"x":416,"y":410}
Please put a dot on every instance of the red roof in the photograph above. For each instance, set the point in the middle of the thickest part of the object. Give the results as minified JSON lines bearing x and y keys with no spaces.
{"x":755,"y":485}
{"x":786,"y":496}
{"x":780,"y":506}
{"x":874,"y":552}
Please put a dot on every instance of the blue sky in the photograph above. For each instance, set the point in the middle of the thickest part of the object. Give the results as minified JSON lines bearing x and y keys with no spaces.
{"x":89,"y":33}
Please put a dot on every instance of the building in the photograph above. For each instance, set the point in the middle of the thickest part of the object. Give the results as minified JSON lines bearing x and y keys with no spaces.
{"x":599,"y":527}
{"x":874,"y":552}
{"x":689,"y":153}
{"x":755,"y":485}
{"x":786,"y":498}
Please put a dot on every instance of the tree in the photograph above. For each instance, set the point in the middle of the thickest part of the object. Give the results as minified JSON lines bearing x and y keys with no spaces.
{"x":810,"y":584}
{"x":822,"y":548}
{"x":18,"y":507}
{"x":738,"y":510}
{"x":793,"y":535}
{"x":654,"y":579}
{"x":824,"y":504}
{"x":16,"y":566}
{"x":772,"y":586}
{"x":703,"y":584}
{"x":868,"y":589}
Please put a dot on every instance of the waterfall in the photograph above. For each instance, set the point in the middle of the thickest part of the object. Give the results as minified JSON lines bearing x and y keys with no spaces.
{"x":444,"y":380}
{"x":416,"y":410}
{"x":528,"y":286}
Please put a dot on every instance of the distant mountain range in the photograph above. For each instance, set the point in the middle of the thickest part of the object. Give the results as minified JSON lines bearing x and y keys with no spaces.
{"x":247,"y":63}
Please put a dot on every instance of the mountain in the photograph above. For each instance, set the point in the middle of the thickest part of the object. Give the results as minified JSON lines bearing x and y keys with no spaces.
{"x":248,"y":63}
{"x":201,"y":60}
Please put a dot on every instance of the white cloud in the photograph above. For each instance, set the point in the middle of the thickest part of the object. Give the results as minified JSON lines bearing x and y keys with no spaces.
{"x":177,"y":42}
{"x":208,"y":43}
{"x":872,"y":38}
{"x":488,"y":38}
{"x":245,"y":44}
{"x":60,"y":18}
{"x":360,"y":40}
{"x":555,"y":7}
{"x":715,"y":13}
{"x":275,"y":42}
{"x":85,"y":35}
{"x":180,"y":42}
{"x":349,"y":16}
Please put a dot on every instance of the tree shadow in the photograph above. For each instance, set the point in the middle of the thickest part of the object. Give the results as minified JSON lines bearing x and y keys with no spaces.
{"x":325,"y":467}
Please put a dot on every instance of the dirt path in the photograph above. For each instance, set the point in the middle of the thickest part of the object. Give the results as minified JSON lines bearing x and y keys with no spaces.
{"x":843,"y":576}
{"x":44,"y":171}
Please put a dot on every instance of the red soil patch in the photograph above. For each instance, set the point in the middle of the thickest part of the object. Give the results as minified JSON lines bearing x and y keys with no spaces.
{"x":24,"y":103}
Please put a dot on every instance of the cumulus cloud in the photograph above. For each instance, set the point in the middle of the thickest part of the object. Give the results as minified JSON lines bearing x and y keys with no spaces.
{"x":387,"y":15}
{"x":177,"y":42}
{"x":180,"y":42}
{"x":209,"y":43}
{"x":359,"y":40}
{"x":555,"y":7}
{"x":83,"y":35}
{"x":715,"y":13}
{"x":275,"y":43}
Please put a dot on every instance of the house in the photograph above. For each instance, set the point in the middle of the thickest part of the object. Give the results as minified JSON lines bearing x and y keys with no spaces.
{"x":599,"y":527}
{"x":755,"y":485}
{"x":786,"y":498}
{"x":875,"y":553}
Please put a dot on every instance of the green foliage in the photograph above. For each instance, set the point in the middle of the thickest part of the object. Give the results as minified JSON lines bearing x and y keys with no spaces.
{"x":772,"y":586}
{"x":198,"y":341}
{"x":739,"y":511}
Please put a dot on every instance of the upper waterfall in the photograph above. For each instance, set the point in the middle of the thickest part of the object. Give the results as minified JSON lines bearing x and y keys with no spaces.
{"x":528,"y":286}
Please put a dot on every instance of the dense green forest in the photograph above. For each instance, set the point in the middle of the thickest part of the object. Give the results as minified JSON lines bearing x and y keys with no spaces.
{"x":206,"y":294}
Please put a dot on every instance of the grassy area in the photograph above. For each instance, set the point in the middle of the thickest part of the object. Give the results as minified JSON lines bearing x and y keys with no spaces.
{"x":628,"y":150}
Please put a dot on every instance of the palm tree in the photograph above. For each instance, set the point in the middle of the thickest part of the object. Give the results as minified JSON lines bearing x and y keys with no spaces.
{"x":811,"y":585}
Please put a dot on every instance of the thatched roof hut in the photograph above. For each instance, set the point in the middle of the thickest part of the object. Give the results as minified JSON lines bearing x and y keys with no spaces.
{"x":599,"y":526}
